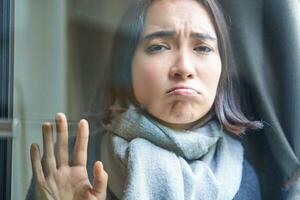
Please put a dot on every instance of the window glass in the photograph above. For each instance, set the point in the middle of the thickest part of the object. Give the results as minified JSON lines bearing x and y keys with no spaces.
{"x":60,"y":49}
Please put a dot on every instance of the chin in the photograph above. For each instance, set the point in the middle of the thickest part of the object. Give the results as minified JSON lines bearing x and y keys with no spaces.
{"x":178,"y":113}
{"x":185,"y":113}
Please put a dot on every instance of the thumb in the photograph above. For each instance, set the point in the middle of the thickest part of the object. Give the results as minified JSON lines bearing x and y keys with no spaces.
{"x":100,"y":181}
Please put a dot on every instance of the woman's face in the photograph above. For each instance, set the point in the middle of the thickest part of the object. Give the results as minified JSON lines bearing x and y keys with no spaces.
{"x":177,"y":66}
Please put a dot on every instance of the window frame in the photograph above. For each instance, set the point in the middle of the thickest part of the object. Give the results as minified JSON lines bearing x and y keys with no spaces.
{"x":6,"y":93}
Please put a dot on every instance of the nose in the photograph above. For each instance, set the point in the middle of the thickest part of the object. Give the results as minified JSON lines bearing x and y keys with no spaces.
{"x":183,"y":67}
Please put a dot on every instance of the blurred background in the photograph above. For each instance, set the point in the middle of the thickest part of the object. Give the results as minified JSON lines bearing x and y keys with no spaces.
{"x":60,"y":49}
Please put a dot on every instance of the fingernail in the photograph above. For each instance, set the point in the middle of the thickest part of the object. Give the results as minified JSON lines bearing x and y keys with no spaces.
{"x":59,"y":115}
{"x":46,"y":126}
{"x":101,"y":165}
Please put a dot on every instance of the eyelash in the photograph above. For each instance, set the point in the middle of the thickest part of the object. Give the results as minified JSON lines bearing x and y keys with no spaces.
{"x":158,"y":47}
{"x":203,"y":49}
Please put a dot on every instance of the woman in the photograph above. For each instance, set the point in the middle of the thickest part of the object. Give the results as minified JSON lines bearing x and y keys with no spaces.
{"x":171,"y":115}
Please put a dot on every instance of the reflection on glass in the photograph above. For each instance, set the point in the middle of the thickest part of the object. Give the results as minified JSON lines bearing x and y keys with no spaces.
{"x":60,"y":50}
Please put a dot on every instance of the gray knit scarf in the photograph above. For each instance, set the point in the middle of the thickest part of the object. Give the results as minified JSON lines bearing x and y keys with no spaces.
{"x":148,"y":161}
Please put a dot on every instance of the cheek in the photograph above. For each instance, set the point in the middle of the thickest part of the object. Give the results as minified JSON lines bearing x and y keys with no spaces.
{"x":215,"y":78}
{"x":147,"y":80}
{"x":145,"y":75}
{"x":211,"y":76}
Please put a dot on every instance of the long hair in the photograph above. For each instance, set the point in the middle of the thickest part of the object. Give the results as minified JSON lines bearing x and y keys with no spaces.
{"x":118,"y":81}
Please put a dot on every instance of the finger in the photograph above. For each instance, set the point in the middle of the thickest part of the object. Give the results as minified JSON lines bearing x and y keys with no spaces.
{"x":100,"y":181}
{"x":81,"y":144}
{"x":61,"y":146}
{"x":37,"y":169}
{"x":49,"y":162}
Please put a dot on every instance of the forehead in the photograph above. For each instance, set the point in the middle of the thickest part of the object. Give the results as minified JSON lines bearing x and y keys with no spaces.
{"x":179,"y":16}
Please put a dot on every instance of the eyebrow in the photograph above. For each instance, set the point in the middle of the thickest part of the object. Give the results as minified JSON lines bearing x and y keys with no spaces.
{"x":158,"y":34}
{"x":204,"y":36}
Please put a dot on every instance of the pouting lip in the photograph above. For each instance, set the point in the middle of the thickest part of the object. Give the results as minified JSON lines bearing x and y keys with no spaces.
{"x":181,"y":87}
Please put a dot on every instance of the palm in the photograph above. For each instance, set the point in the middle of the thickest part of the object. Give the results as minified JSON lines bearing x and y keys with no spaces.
{"x":56,"y":179}
{"x":69,"y":181}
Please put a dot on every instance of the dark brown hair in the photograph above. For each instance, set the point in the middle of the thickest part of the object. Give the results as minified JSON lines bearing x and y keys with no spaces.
{"x":118,"y":80}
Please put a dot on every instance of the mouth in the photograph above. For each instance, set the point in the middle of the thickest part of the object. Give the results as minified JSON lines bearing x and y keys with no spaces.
{"x":182,"y":91}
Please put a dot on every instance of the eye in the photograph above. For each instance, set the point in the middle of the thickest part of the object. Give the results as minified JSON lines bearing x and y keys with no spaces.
{"x":203,"y":49}
{"x":156,"y":47}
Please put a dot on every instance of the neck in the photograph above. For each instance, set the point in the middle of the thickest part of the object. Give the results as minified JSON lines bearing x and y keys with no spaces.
{"x":187,"y":126}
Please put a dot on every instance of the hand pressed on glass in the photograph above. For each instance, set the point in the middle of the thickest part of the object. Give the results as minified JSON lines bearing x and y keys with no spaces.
{"x":54,"y":177}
